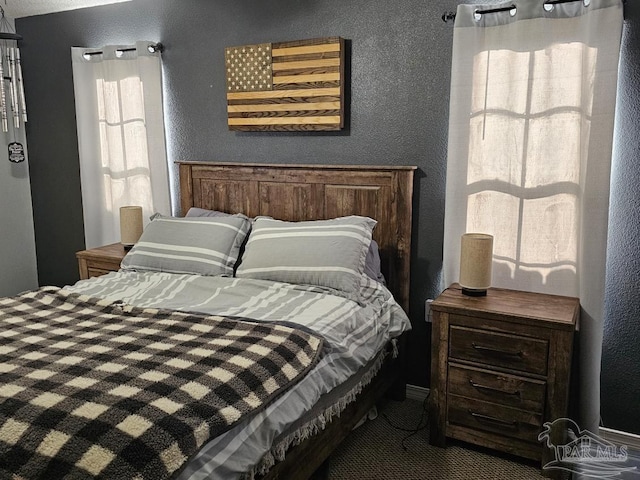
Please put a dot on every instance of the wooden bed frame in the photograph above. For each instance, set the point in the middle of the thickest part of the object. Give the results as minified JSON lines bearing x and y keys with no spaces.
{"x":312,"y":192}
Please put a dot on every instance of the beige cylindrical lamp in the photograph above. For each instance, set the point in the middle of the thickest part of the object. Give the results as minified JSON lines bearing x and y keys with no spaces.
{"x":130,"y":225}
{"x":476,"y":260}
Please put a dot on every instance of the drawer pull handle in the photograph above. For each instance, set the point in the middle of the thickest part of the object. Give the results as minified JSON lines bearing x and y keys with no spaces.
{"x":482,"y":348}
{"x":486,"y":418}
{"x":515,"y":393}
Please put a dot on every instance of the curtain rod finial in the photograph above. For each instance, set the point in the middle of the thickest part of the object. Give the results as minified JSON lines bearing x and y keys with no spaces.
{"x":158,"y":47}
{"x":446,"y":16}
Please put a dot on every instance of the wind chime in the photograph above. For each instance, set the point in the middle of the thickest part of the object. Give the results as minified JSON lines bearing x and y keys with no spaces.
{"x":12,"y":101}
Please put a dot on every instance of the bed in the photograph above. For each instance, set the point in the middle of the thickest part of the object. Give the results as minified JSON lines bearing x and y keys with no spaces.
{"x":301,"y":441}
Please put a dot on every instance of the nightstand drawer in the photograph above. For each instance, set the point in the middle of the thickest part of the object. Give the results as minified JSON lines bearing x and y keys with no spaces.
{"x":509,"y":390}
{"x":490,"y":417}
{"x":97,"y":272}
{"x":499,"y":349}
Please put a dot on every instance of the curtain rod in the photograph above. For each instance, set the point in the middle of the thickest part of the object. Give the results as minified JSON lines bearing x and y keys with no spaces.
{"x":152,"y":47}
{"x":451,"y":16}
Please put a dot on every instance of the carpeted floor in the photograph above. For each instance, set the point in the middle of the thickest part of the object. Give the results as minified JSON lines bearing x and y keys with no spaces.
{"x":375,"y":451}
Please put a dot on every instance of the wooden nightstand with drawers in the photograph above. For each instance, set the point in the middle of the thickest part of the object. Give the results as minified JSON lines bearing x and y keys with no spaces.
{"x":500,"y":368}
{"x":100,"y":261}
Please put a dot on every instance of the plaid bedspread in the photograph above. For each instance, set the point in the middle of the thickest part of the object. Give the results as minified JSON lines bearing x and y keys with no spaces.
{"x":90,"y":388}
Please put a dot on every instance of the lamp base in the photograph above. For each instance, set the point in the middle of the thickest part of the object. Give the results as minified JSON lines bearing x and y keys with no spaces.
{"x":473,"y":292}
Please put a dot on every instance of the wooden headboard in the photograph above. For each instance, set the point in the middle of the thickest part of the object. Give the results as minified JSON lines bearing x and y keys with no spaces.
{"x":313,"y":192}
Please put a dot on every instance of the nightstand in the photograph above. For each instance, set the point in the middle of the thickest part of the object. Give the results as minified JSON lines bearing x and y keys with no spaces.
{"x":100,"y":261}
{"x":500,"y":368}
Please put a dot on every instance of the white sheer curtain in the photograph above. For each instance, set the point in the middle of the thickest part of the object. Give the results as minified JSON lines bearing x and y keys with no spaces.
{"x":530,"y":137}
{"x":121,"y":138}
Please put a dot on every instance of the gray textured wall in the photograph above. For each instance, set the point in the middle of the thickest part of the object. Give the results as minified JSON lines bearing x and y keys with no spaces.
{"x":400,"y":62}
{"x":17,"y":245}
{"x":621,"y":345}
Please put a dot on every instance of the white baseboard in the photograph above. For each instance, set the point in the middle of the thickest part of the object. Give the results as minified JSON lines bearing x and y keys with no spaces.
{"x":415,"y":392}
{"x":631,"y":440}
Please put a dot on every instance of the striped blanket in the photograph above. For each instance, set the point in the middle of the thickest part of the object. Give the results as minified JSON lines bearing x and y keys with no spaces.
{"x":92,"y":388}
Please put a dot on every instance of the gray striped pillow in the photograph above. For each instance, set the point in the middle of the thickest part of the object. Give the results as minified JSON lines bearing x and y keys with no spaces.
{"x":202,"y":246}
{"x":326,"y":253}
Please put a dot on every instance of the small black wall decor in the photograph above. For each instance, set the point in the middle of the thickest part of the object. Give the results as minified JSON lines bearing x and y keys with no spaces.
{"x":16,"y":152}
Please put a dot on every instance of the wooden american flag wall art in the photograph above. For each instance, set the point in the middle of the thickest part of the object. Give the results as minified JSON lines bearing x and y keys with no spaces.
{"x":286,"y":86}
